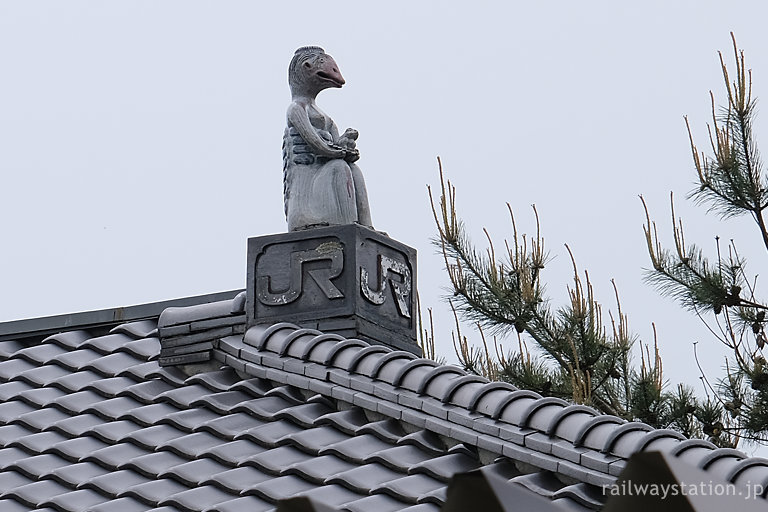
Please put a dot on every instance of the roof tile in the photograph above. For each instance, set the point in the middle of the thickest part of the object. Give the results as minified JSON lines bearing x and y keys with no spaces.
{"x":721,"y":463}
{"x":70,"y":340}
{"x":75,"y":475}
{"x":239,"y":479}
{"x":356,"y":449}
{"x":191,"y":446}
{"x":318,"y":469}
{"x":38,"y":466}
{"x":81,"y":500}
{"x":318,"y":349}
{"x":231,"y":425}
{"x":198,"y":498}
{"x":111,"y":387}
{"x":594,"y":432}
{"x":43,"y":375}
{"x":115,"y":431}
{"x":331,"y":495}
{"x":117,"y":455}
{"x":154,"y":491}
{"x":388,"y":368}
{"x":9,"y":457}
{"x":568,"y":422}
{"x":77,"y":448}
{"x":196,"y":472}
{"x":222,"y":402}
{"x":411,"y":489}
{"x":76,"y":359}
{"x":198,"y":442}
{"x":11,"y":433}
{"x":443,"y":468}
{"x":340,"y":355}
{"x":271,"y":434}
{"x":112,"y":365}
{"x":425,"y":440}
{"x":115,"y":483}
{"x":40,"y":354}
{"x":78,"y":403}
{"x":147,"y":348}
{"x":377,"y":502}
{"x":74,"y":382}
{"x":280,"y":488}
{"x":108,"y":344}
{"x":41,"y":419}
{"x":11,"y":505}
{"x":463,"y":390}
{"x":139,"y":329}
{"x":235,"y":453}
{"x":120,"y":505}
{"x":154,"y":464}
{"x":274,"y":461}
{"x":38,"y":442}
{"x":243,"y":504}
{"x":114,"y":408}
{"x":263,"y":408}
{"x":624,"y":440}
{"x":750,"y":473}
{"x":12,"y":389}
{"x":75,"y":426}
{"x":364,"y":478}
{"x":150,"y":414}
{"x":37,"y":494}
{"x":314,"y":439}
{"x":9,"y":481}
{"x":9,"y":348}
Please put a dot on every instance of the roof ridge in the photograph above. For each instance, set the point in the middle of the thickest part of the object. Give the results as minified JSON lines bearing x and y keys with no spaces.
{"x":547,"y":432}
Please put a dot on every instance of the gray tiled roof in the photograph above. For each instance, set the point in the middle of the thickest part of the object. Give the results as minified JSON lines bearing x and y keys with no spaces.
{"x":95,"y":424}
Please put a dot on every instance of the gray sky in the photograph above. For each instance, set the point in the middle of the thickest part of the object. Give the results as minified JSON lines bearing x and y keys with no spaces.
{"x":140,"y":141}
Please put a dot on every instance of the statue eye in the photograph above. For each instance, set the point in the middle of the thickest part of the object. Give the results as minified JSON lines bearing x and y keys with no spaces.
{"x":307,"y":64}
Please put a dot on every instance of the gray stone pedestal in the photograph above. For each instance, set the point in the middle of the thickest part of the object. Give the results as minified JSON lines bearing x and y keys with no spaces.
{"x":348,"y":280}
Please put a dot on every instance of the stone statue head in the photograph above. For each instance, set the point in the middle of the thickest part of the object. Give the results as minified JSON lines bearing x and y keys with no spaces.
{"x":311,"y":70}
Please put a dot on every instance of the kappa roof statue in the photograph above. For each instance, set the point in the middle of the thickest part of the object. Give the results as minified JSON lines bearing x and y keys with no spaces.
{"x":322,"y":185}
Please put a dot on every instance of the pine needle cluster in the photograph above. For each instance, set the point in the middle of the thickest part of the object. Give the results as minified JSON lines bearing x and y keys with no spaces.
{"x":575,"y":353}
{"x":731,"y":182}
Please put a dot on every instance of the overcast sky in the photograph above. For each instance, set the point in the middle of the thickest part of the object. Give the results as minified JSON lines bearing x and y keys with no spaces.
{"x":140,"y":141}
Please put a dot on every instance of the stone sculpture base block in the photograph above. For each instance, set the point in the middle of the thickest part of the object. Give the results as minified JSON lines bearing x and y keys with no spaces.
{"x":349,"y":280}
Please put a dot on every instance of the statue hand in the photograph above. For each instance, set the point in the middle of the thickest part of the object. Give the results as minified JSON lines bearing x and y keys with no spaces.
{"x":352,"y":155}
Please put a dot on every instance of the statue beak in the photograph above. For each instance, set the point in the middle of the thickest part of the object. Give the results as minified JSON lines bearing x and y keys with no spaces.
{"x":330,"y":72}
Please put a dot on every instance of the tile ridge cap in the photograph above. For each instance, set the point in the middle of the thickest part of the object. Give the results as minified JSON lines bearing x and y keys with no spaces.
{"x":621,"y":425}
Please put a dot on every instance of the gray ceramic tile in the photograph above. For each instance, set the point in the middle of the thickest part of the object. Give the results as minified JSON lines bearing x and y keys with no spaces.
{"x":75,"y":475}
{"x":38,"y":466}
{"x":239,"y":479}
{"x":196,"y":472}
{"x":83,"y":499}
{"x":318,"y":469}
{"x":9,"y":457}
{"x":365,"y":478}
{"x":96,"y":418}
{"x":115,"y":483}
{"x":198,"y":498}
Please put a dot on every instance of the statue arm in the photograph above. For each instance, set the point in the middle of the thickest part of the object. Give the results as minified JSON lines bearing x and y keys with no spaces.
{"x":298,"y":118}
